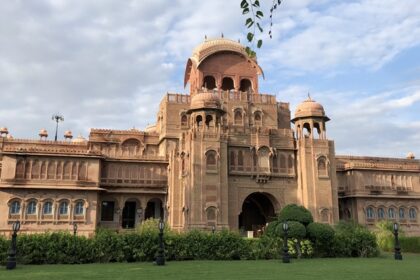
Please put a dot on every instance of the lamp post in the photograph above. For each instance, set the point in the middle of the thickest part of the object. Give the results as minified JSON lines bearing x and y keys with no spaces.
{"x":57,"y":118}
{"x":11,"y":259}
{"x":213,"y":229}
{"x":397,"y":248}
{"x":286,"y":256}
{"x":160,"y":260}
{"x":74,"y":229}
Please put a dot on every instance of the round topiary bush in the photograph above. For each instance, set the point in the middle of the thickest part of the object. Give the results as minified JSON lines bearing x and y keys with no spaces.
{"x":293,"y":212}
{"x":322,"y":236}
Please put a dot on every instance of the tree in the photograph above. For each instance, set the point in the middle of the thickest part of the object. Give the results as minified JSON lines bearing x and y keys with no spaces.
{"x":254,"y":22}
{"x":293,"y":212}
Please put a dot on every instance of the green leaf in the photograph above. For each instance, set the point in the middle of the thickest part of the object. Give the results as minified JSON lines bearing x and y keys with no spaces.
{"x":250,"y":36}
{"x":259,"y":44}
{"x":244,"y":4}
{"x":256,"y":3}
{"x":259,"y":14}
{"x":245,"y":11}
{"x":249,"y":22}
{"x":259,"y":27}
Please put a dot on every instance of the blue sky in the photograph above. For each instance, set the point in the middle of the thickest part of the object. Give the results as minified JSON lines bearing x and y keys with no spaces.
{"x":107,"y":64}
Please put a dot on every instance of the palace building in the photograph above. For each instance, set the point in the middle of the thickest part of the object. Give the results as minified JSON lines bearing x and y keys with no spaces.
{"x":223,"y":155}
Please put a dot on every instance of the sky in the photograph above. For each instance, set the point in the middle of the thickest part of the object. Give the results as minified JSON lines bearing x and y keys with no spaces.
{"x":108,"y":63}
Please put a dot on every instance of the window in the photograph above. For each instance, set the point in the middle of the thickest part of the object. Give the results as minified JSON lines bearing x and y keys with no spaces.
{"x":245,"y":85}
{"x":47,"y":209}
{"x":15,"y":207}
{"x":322,"y":167}
{"x":232,"y":159}
{"x":391,"y":213}
{"x":211,"y":216}
{"x":107,"y":211}
{"x":237,"y":119}
{"x":63,"y":208}
{"x":78,"y":209}
{"x":412,"y":214}
{"x":227,"y":84}
{"x":211,"y":160}
{"x":258,"y":119}
{"x":369,"y":213}
{"x":240,"y":160}
{"x":401,"y":213}
{"x":31,"y":208}
{"x":184,"y":120}
{"x":209,"y":82}
{"x":381,"y":213}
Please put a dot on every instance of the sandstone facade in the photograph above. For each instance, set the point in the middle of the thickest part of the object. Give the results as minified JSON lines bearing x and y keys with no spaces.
{"x":224,"y":156}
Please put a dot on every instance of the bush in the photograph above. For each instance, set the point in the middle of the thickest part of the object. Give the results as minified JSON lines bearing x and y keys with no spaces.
{"x":293,"y":212}
{"x":322,"y":236}
{"x":384,"y":235}
{"x":410,"y":244}
{"x":296,"y":229}
{"x":353,"y":240}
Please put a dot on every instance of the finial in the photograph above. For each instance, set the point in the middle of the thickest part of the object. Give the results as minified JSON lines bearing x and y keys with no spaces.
{"x":205,"y":37}
{"x":222,"y":35}
{"x":309,"y":96}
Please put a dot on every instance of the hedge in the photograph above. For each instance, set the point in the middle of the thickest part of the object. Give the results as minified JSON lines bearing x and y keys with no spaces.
{"x":410,"y":244}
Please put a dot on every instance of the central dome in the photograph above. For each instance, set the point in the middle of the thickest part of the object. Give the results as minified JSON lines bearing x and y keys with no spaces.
{"x":207,"y":100}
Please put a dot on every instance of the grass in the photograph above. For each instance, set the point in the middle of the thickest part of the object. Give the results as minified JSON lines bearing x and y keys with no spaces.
{"x":381,"y":268}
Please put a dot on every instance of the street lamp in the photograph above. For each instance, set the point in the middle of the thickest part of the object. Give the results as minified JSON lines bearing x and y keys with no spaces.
{"x":57,"y":118}
{"x":74,"y":241}
{"x":286,"y":256}
{"x":397,"y":248}
{"x":160,"y":260}
{"x":11,"y":259}
{"x":213,"y":229}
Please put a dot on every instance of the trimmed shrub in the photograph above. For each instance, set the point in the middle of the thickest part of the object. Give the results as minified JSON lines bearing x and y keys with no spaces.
{"x":293,"y":212}
{"x":296,"y":229}
{"x":353,"y":240}
{"x":409,"y":244}
{"x":322,"y":236}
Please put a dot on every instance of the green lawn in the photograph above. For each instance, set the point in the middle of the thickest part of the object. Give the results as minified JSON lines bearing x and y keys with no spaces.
{"x":323,"y":269}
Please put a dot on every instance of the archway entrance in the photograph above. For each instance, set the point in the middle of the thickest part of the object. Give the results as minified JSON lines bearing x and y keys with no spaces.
{"x":154,"y":209}
{"x":129,"y":215}
{"x":257,"y":210}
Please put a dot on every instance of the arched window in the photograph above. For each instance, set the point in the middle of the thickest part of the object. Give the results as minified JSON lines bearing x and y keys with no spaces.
{"x":130,"y":147}
{"x":258,"y":118}
{"x":322,"y":167}
{"x":14,"y":207}
{"x":391,"y":213}
{"x":370,"y":214}
{"x":209,"y":120}
{"x":78,"y":208}
{"x":317,"y":131}
{"x":381,"y":213}
{"x":211,"y":160}
{"x":31,"y":208}
{"x":63,"y":208}
{"x":401,"y":212}
{"x":246,"y":85}
{"x":227,"y":83}
{"x":199,"y":120}
{"x":412,"y":214}
{"x":325,"y":216}
{"x":209,"y":82}
{"x":184,"y":120}
{"x":306,"y":130}
{"x":237,"y":117}
{"x":47,"y":208}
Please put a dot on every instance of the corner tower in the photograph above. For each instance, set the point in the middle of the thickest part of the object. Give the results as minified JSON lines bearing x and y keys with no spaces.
{"x":317,"y":183}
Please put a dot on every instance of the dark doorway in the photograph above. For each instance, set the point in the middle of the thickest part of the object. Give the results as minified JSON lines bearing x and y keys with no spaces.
{"x":129,"y":214}
{"x":227,"y":84}
{"x":154,"y":209}
{"x":257,"y":210}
